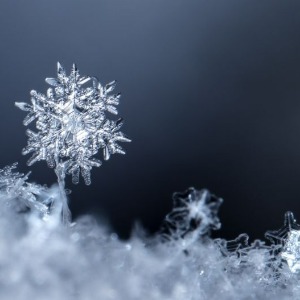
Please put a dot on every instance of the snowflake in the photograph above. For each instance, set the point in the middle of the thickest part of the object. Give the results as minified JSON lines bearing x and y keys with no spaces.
{"x":291,"y":251}
{"x":24,"y":194}
{"x":194,"y":214}
{"x":285,"y":242}
{"x":71,"y":124}
{"x":279,"y":237}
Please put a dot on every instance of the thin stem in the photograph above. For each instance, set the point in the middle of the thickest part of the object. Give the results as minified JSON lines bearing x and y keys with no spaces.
{"x":65,"y":211}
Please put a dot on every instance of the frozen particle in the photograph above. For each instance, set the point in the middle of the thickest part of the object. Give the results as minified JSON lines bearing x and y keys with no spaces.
{"x":285,"y":244}
{"x":194,"y":214}
{"x":291,"y":251}
{"x":72,"y":125}
{"x":278,"y":237}
{"x":16,"y":188}
{"x":230,"y":247}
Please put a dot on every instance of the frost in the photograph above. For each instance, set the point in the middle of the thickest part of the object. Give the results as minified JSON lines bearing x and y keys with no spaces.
{"x":42,"y":259}
{"x":72,"y":125}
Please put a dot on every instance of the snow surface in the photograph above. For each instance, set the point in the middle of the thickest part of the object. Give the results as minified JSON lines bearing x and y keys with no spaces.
{"x":40,"y":258}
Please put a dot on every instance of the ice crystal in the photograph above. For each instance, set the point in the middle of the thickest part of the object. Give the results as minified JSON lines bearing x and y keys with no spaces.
{"x":194,"y":214}
{"x":278,"y":237}
{"x":230,"y":247}
{"x":21,"y":194}
{"x":291,"y":251}
{"x":72,"y":125}
{"x":262,"y":260}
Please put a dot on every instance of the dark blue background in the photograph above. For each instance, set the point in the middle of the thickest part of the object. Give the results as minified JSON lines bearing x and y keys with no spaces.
{"x":210,"y":97}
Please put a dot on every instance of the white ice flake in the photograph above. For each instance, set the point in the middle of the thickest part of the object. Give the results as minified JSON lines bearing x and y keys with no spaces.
{"x":194,"y":215}
{"x":21,"y":194}
{"x":71,"y":124}
{"x":291,"y":251}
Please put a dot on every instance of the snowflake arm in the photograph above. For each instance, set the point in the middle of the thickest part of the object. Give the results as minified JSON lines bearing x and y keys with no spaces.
{"x":109,"y":136}
{"x":278,"y":237}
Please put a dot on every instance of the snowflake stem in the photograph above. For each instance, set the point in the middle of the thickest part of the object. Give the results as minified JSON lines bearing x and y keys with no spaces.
{"x":65,"y":211}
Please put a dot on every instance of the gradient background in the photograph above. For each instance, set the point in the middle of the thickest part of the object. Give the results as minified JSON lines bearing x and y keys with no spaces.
{"x":210,"y":97}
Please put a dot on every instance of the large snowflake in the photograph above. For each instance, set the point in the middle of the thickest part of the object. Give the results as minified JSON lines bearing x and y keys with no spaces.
{"x":71,"y":124}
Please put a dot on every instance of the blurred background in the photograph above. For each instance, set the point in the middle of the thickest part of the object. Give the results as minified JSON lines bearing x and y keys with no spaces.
{"x":210,"y":98}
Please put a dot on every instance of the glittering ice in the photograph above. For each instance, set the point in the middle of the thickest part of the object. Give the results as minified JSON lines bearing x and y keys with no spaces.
{"x":291,"y":251}
{"x":21,"y":194}
{"x":42,"y":259}
{"x":194,"y":215}
{"x":71,"y":124}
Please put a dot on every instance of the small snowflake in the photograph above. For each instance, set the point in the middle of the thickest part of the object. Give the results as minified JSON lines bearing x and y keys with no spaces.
{"x":278,"y":237}
{"x":195,"y":213}
{"x":291,"y":251}
{"x":71,"y":124}
{"x":285,"y":242}
{"x":22,"y":193}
